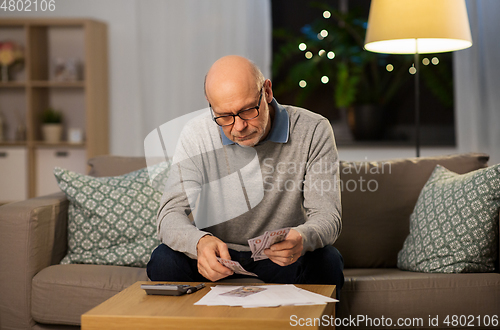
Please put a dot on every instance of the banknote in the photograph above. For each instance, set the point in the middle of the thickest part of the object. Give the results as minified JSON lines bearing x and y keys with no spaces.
{"x":256,"y":244}
{"x":243,"y":291}
{"x":265,"y":241}
{"x":235,"y":266}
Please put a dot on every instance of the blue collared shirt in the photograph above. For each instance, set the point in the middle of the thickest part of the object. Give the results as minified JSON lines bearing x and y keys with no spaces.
{"x":280,"y":129}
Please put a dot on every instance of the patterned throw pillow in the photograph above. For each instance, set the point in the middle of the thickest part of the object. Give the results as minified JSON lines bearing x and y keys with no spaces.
{"x":454,"y":226}
{"x":112,"y":220}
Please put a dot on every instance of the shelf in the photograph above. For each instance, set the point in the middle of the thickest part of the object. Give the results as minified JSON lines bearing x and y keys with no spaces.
{"x":42,"y":83}
{"x":81,"y":45}
{"x":62,"y":144}
{"x":13,"y":144}
{"x":46,"y":22}
{"x":42,"y":144}
{"x":63,"y":84}
{"x":13,"y":84}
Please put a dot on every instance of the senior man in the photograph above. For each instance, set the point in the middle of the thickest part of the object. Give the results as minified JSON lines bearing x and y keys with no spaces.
{"x":294,"y":185}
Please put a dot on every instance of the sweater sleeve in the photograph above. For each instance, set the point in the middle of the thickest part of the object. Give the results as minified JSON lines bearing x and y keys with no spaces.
{"x":321,"y":191}
{"x":175,"y":222}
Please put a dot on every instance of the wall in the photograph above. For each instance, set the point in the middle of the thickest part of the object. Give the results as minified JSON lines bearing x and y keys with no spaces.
{"x":150,"y":85}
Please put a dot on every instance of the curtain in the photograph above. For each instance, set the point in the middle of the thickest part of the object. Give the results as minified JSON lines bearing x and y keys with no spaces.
{"x":477,"y":83}
{"x":177,"y":42}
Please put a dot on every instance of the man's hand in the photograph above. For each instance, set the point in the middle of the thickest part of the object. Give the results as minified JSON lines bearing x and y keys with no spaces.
{"x":209,"y":248}
{"x":288,"y":251}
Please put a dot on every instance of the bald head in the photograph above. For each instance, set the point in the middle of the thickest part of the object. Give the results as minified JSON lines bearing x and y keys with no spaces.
{"x":235,"y":85}
{"x":231,"y":76}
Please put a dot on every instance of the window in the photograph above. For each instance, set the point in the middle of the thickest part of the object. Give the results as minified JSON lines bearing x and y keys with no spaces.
{"x":319,"y":64}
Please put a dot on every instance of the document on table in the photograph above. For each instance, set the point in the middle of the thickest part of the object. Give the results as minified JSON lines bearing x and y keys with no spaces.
{"x":261,"y":296}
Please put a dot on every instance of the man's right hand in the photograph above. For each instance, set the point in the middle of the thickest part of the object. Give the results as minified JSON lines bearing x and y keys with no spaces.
{"x":209,"y":248}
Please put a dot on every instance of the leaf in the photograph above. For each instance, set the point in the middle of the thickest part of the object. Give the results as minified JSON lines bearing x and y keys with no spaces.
{"x":345,"y":91}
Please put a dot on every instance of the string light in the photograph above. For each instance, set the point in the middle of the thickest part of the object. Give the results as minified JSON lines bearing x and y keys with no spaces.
{"x":435,"y":61}
{"x":321,"y":52}
{"x":389,"y":67}
{"x":413,"y":70}
{"x":327,"y":14}
{"x":302,"y":83}
{"x":302,"y":46}
{"x":309,"y":55}
{"x":324,"y":33}
{"x":331,"y":55}
{"x":426,"y":61}
{"x":325,"y":79}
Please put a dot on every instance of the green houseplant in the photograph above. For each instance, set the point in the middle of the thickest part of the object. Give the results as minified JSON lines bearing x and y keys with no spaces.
{"x":360,"y":82}
{"x":52,"y":125}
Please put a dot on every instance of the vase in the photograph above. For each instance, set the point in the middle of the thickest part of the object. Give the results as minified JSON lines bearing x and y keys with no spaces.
{"x":52,"y":133}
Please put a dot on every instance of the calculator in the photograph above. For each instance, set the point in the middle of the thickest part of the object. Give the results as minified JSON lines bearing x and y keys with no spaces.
{"x":170,"y":289}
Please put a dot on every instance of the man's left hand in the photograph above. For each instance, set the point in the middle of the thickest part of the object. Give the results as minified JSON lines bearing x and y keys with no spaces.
{"x":288,"y":251}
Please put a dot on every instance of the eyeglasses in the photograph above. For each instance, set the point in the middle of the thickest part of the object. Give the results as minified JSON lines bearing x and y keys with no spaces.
{"x":246,"y":114}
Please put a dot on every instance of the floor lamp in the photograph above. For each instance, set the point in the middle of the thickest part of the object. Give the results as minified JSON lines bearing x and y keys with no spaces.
{"x":417,"y":27}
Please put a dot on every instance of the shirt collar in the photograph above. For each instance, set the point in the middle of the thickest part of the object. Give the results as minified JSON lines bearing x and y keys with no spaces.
{"x":280,"y":129}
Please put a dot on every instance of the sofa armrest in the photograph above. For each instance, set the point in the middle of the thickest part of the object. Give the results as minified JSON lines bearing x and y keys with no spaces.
{"x":32,"y":237}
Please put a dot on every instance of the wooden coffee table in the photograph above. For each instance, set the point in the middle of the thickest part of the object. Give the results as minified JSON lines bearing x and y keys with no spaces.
{"x":134,"y":309}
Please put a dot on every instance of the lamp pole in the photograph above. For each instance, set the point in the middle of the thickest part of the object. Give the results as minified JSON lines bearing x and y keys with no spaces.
{"x":417,"y":101}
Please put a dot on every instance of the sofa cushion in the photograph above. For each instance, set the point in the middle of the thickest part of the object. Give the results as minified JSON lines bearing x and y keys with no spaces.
{"x":377,"y":200}
{"x":62,"y":293}
{"x":454,"y":226}
{"x":115,"y":165}
{"x":369,"y":293}
{"x":112,"y":220}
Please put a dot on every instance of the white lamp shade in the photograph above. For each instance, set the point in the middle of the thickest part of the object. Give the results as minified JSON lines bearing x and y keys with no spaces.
{"x":423,"y":26}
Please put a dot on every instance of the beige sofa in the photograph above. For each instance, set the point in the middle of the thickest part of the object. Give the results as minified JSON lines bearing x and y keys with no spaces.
{"x":38,"y":293}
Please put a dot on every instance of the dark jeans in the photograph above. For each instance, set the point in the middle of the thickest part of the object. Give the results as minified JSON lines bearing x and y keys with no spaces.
{"x":321,"y":266}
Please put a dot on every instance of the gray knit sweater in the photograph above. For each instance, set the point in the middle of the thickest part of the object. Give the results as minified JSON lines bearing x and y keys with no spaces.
{"x":237,"y":193}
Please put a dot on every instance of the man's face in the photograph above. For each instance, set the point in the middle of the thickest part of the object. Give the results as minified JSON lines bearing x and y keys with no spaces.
{"x":246,"y":133}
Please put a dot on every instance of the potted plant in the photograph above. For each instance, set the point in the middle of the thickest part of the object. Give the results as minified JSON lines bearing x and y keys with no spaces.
{"x":329,"y":55}
{"x":52,"y":125}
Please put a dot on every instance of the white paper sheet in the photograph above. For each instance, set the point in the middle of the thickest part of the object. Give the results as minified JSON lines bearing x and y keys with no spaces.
{"x":273,"y":296}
